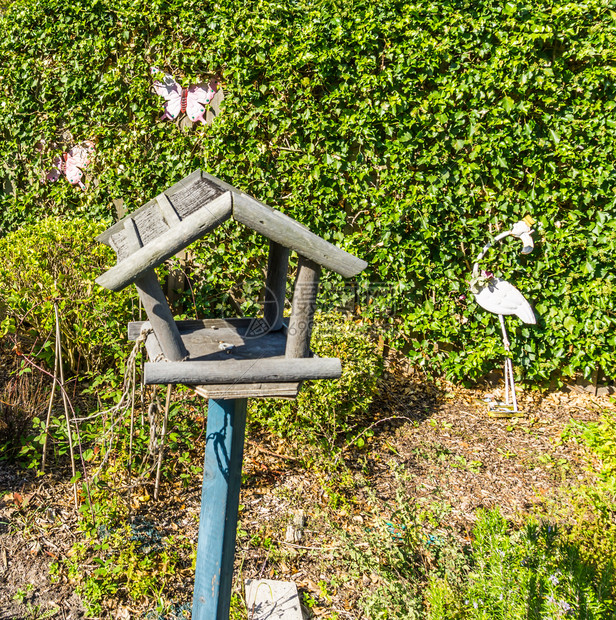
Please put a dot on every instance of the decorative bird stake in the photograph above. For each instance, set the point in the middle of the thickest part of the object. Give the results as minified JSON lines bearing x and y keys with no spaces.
{"x":500,"y":297}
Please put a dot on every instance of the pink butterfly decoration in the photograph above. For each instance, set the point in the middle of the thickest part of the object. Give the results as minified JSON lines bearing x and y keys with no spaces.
{"x":192,"y":100}
{"x":72,"y":164}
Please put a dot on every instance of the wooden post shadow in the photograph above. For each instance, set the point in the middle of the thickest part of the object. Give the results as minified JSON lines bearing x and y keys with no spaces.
{"x":220,"y":496}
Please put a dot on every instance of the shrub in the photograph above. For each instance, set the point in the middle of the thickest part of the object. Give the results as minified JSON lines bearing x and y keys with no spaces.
{"x":327,"y":411}
{"x":592,"y":506}
{"x":57,"y":261}
{"x":532,"y":573}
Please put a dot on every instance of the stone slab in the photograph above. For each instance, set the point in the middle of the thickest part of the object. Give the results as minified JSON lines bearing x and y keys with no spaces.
{"x":272,"y":600}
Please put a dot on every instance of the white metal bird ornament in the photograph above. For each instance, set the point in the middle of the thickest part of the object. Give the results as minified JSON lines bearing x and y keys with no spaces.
{"x":501,"y":298}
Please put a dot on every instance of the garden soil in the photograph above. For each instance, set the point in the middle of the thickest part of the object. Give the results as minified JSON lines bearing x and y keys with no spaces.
{"x":429,"y":444}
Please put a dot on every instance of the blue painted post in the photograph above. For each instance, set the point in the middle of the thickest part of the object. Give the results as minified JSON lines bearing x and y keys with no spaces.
{"x":222,"y":476}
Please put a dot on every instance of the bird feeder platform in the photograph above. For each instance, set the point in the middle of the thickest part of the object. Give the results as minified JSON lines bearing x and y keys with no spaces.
{"x":233,"y":358}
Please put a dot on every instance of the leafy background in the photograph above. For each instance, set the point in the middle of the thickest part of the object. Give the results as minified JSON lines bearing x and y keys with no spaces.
{"x":407,"y":133}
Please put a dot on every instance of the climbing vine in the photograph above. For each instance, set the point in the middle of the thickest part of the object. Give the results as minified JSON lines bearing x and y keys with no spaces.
{"x":406,"y":132}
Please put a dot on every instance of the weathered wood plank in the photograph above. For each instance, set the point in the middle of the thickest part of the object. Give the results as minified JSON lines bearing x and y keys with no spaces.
{"x":192,"y":325}
{"x":166,"y":245}
{"x":131,"y":234}
{"x":155,"y":304}
{"x":291,"y":234}
{"x":275,"y":285}
{"x":227,"y":391}
{"x":221,"y":340}
{"x":193,"y":183}
{"x":222,"y":477}
{"x":185,"y":197}
{"x":202,"y":336}
{"x":303,"y":308}
{"x":274,"y":370}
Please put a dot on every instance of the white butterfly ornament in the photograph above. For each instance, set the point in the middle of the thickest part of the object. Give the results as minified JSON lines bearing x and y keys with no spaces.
{"x":192,"y":100}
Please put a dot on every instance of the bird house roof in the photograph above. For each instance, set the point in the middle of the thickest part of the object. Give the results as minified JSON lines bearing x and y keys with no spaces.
{"x":188,"y":211}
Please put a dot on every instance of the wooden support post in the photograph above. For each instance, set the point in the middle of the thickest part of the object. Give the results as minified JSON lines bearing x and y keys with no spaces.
{"x":160,"y":317}
{"x":155,"y":304}
{"x":222,"y":475}
{"x":303,"y":308}
{"x":275,"y":285}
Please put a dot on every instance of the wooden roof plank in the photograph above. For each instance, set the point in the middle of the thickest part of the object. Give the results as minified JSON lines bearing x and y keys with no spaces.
{"x":162,"y":227}
{"x":169,"y":243}
{"x":166,"y":208}
{"x":185,"y":196}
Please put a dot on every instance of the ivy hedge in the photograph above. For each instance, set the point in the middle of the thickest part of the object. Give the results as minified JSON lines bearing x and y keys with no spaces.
{"x":406,"y":132}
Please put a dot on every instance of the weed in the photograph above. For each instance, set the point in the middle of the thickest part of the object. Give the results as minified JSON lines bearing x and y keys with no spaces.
{"x":534,"y":572}
{"x":592,"y":506}
{"x":21,"y":594}
{"x":418,"y":567}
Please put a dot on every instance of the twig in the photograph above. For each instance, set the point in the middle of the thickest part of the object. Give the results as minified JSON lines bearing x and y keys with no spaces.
{"x":142,"y":483}
{"x":130,"y":442}
{"x":64,"y":400}
{"x":352,"y":441}
{"x":68,"y":405}
{"x":163,"y":435}
{"x":288,"y":544}
{"x":51,"y":399}
{"x":270,"y":453}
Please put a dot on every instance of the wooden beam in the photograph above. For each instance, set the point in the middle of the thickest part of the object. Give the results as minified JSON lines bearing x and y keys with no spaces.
{"x":166,"y":245}
{"x":166,"y":208}
{"x":226,"y":391}
{"x":268,"y":370}
{"x":160,"y":316}
{"x":275,"y":285}
{"x":303,"y":308}
{"x":220,"y":496}
{"x":291,"y":234}
{"x":155,"y":304}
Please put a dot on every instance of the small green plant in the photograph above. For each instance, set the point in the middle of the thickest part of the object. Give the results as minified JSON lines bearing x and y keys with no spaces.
{"x":418,"y":567}
{"x":515,"y":574}
{"x":131,"y":560}
{"x":592,"y":505}
{"x":328,"y":412}
{"x":22,"y":593}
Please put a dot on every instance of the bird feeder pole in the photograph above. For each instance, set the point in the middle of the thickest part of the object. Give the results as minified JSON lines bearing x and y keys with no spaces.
{"x":224,"y":360}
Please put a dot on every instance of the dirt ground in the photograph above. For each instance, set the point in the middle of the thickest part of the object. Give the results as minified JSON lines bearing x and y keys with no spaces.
{"x":437,"y":442}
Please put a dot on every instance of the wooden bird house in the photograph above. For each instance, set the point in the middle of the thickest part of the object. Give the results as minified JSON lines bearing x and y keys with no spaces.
{"x":238,"y":357}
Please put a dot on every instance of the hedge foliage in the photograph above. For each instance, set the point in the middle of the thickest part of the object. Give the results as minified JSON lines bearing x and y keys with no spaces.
{"x":407,"y":132}
{"x":52,"y":263}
